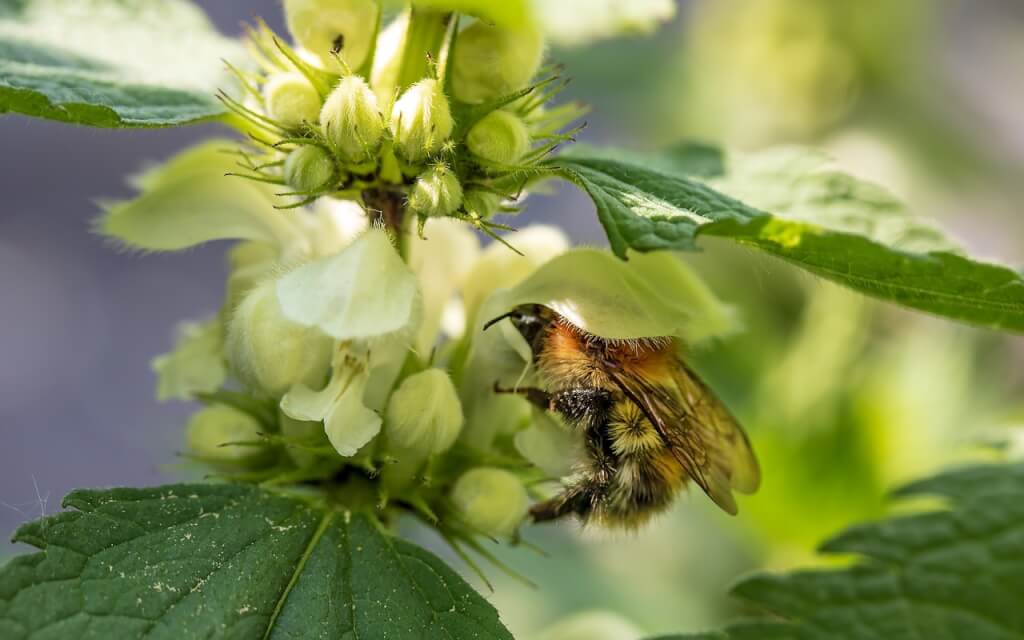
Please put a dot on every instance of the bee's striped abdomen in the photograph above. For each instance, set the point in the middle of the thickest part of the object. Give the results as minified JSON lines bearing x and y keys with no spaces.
{"x":647,"y":475}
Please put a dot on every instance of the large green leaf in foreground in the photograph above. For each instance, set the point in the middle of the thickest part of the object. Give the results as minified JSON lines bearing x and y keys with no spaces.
{"x":826,"y":222}
{"x":112,"y":63}
{"x":956,"y":574}
{"x":228,"y":561}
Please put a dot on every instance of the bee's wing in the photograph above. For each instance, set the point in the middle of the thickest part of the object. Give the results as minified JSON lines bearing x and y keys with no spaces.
{"x":701,"y":433}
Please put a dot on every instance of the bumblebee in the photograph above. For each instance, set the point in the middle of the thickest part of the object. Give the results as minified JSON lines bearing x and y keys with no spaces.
{"x":648,"y":423}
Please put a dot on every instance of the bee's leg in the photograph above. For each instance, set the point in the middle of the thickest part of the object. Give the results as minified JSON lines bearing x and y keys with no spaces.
{"x":571,"y":501}
{"x":535,"y":396}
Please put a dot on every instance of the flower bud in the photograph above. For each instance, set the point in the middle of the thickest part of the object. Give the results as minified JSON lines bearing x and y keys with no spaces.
{"x":291,"y":100}
{"x":271,"y":353}
{"x":421,"y":120}
{"x":351,"y":120}
{"x":437,"y":192}
{"x":424,"y":413}
{"x":323,"y":26}
{"x":492,"y":501}
{"x":499,"y":138}
{"x":212,"y":434}
{"x":491,"y":61}
{"x":482,"y":203}
{"x":310,"y":169}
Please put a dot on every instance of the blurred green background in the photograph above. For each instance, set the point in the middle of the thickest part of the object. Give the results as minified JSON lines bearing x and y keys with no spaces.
{"x":844,"y":398}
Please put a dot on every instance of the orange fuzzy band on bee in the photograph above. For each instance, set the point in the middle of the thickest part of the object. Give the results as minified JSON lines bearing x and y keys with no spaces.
{"x":571,"y":355}
{"x":649,"y":426}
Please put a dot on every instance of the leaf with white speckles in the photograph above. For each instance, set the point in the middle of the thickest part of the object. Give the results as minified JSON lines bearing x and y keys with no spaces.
{"x":228,"y":561}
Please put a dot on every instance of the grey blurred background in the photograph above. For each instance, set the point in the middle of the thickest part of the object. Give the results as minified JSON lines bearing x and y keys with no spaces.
{"x":80,"y":320}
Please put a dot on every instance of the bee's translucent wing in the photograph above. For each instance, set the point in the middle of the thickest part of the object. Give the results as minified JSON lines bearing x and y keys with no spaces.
{"x":701,"y":433}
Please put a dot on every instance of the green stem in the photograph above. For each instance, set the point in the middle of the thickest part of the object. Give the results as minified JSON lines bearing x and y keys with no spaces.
{"x":423,"y":40}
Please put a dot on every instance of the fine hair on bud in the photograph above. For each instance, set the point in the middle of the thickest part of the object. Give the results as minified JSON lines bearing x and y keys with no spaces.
{"x":333,"y":27}
{"x":310,"y":169}
{"x":421,"y":120}
{"x":491,"y":61}
{"x":269,"y":352}
{"x":424,"y":414}
{"x":351,"y":121}
{"x":491,"y":501}
{"x":290,"y":99}
{"x":500,"y":138}
{"x":225,"y":437}
{"x":437,"y":192}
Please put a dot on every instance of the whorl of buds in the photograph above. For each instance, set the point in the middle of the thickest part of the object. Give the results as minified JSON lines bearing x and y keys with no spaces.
{"x":325,"y":26}
{"x":271,"y":353}
{"x":437,"y":192}
{"x":216,"y":433}
{"x":499,"y":138}
{"x":310,"y":169}
{"x":491,"y":61}
{"x":492,"y":501}
{"x":421,"y":120}
{"x":291,"y":100}
{"x":424,"y":414}
{"x":351,"y":120}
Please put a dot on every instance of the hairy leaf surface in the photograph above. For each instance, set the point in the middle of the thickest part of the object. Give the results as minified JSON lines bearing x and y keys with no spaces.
{"x":228,"y":561}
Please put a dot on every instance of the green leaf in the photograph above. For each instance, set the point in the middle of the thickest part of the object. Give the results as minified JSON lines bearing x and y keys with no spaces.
{"x":956,"y":573}
{"x":826,"y":222}
{"x":107,"y":63}
{"x":228,"y":561}
{"x":189,"y":201}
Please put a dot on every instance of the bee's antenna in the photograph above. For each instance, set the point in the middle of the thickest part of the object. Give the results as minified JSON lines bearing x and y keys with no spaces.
{"x":499,"y":319}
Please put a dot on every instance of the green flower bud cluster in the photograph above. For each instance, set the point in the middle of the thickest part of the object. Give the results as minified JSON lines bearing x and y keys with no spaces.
{"x":348,"y":111}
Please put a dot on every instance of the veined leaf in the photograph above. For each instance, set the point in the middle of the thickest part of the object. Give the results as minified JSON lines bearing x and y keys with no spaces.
{"x":790,"y":205}
{"x":953,"y":574}
{"x":228,"y":561}
{"x":107,"y":63}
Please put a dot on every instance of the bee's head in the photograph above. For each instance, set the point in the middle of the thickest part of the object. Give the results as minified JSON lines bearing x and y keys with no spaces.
{"x":528,"y":319}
